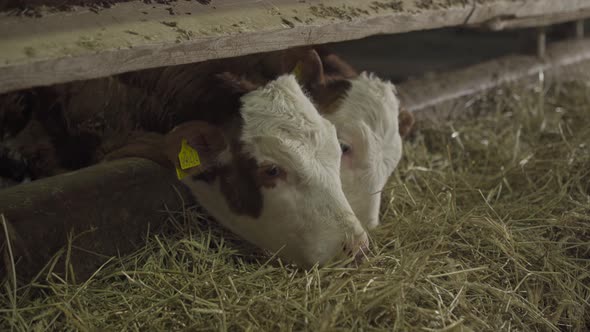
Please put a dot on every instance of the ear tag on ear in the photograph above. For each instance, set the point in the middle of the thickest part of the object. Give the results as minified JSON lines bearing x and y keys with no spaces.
{"x":298,"y":70}
{"x":180,"y":174}
{"x":188,"y":158}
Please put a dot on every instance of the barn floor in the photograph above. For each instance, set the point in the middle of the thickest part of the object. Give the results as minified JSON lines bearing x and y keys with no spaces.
{"x":486,"y":227}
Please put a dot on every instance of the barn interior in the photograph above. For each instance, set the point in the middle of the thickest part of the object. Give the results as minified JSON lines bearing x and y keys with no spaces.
{"x":484,"y":222}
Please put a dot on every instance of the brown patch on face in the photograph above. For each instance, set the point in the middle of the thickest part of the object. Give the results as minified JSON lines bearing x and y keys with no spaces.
{"x":238,"y":184}
{"x":240,"y":188}
{"x":238,"y":179}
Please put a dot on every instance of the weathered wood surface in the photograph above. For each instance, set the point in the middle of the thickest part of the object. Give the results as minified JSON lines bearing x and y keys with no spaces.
{"x":507,"y":23}
{"x":67,"y":46}
{"x":423,"y":93}
{"x":107,"y":209}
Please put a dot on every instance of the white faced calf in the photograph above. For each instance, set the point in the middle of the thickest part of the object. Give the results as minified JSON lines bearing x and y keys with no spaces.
{"x":270,"y":173}
{"x":367,"y":122}
{"x":365,"y":111}
{"x":363,"y":108}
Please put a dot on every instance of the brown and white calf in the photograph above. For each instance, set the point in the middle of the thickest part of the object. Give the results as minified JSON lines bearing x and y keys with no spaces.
{"x":273,"y":176}
{"x":269,"y":163}
{"x":370,"y":126}
{"x":364,"y":109}
{"x":366,"y":113}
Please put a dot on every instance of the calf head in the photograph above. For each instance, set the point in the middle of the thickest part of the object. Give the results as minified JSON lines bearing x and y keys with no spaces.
{"x":271,"y":173}
{"x":366,"y":113}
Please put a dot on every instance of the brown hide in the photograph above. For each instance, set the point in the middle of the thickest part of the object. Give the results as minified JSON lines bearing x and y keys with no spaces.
{"x":14,"y":114}
{"x":71,"y":126}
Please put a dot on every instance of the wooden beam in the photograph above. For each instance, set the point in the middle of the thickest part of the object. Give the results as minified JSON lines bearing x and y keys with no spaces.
{"x":67,"y":46}
{"x":541,"y":42}
{"x":510,"y":22}
{"x":423,"y":93}
{"x":107,"y":209}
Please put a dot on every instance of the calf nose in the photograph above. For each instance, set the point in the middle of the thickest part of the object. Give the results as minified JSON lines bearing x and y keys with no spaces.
{"x":357,"y":248}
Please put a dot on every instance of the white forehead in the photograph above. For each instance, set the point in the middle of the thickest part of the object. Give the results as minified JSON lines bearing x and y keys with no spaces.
{"x":372,"y":102}
{"x":281,"y":123}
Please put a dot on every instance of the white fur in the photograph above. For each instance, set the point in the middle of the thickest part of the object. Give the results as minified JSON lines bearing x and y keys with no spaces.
{"x":306,"y":216}
{"x":367,"y":120}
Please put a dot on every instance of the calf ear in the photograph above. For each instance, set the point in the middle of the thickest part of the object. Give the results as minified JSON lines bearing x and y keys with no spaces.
{"x":334,"y":66}
{"x":303,"y":62}
{"x":194,"y":140}
{"x":406,"y":122}
{"x":309,"y":69}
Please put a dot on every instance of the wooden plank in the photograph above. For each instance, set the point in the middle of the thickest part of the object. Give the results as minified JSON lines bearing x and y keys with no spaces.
{"x":67,"y":46}
{"x":107,"y":209}
{"x":509,"y":23}
{"x":423,"y":93}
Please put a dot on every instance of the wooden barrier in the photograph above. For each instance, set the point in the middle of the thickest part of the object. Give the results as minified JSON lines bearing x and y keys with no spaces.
{"x":86,"y":43}
{"x":423,"y":93}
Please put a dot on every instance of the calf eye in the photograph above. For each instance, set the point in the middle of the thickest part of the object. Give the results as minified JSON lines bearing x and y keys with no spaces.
{"x":272,"y":171}
{"x":269,"y":174}
{"x":345,"y":148}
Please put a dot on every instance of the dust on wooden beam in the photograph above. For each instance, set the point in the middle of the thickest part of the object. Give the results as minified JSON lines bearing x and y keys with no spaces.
{"x":85,"y":43}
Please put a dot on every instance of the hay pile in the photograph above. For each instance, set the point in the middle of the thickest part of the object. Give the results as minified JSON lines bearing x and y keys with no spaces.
{"x":486,"y":226}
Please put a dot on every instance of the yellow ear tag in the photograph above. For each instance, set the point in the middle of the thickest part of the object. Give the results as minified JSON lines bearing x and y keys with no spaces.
{"x":297,"y":71}
{"x":180,"y":173}
{"x":188,"y":158}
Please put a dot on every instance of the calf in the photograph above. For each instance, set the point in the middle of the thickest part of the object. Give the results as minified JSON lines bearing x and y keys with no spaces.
{"x":363,"y":108}
{"x":370,"y":127}
{"x":268,"y":163}
{"x":269,"y":172}
{"x":366,"y":113}
{"x":48,"y":131}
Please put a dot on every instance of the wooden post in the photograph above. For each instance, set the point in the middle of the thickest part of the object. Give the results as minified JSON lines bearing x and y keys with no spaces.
{"x":107,"y":209}
{"x":541,"y":42}
{"x":579,"y":29}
